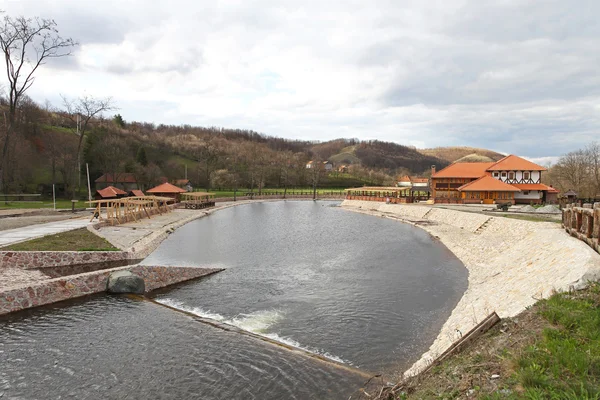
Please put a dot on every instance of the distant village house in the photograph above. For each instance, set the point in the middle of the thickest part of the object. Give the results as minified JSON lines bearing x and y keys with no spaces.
{"x":325,"y":165}
{"x":124,"y":181}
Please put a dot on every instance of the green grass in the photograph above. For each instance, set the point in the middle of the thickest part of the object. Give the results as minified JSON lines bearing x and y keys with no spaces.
{"x":45,"y":204}
{"x":57,"y":129}
{"x":76,"y":240}
{"x":565,"y":362}
{"x":549,"y":351}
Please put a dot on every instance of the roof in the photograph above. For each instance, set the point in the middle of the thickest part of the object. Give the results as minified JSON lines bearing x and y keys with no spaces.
{"x":125,"y":177}
{"x":404,"y":178}
{"x":487,"y":183}
{"x":515,"y":163}
{"x":534,"y":186}
{"x":463,"y":170}
{"x":110,"y":191}
{"x":166,"y":188}
{"x":570,"y":193}
{"x":180,"y":182}
{"x":137,"y":192}
{"x":552,"y":190}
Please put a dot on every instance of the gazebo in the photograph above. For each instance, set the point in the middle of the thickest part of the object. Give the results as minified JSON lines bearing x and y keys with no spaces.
{"x":167,"y":190}
{"x":109,"y":192}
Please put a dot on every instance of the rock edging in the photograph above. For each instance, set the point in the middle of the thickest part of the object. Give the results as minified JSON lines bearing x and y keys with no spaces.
{"x":70,"y":287}
{"x":511,"y":263}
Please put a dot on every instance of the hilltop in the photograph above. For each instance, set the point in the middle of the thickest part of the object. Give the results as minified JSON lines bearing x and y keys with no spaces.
{"x":215,"y":157}
{"x":462,"y":154}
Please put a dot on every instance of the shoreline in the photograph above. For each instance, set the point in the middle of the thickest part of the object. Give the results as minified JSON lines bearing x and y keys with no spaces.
{"x":511,"y":263}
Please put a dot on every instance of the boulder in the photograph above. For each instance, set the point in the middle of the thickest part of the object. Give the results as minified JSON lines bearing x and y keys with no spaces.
{"x":125,"y":282}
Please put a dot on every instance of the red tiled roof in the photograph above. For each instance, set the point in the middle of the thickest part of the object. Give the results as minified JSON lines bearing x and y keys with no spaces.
{"x":515,"y":163}
{"x":166,"y":188}
{"x":136,"y":192}
{"x":552,"y":190}
{"x":464,"y":170}
{"x":488,"y":184}
{"x":117,"y":178}
{"x":533,"y":186}
{"x":110,"y":191}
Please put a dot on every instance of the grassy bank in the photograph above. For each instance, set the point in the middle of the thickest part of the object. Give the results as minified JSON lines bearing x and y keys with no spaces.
{"x":45,"y":205}
{"x":550,"y":351}
{"x":76,"y":240}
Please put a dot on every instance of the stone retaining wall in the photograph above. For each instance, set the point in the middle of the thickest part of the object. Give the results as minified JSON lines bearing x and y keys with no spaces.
{"x":512,"y":263}
{"x":43,"y":259}
{"x":73,"y":286}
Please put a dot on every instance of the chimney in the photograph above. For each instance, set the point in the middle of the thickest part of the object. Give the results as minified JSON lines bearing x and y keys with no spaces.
{"x":432,"y":170}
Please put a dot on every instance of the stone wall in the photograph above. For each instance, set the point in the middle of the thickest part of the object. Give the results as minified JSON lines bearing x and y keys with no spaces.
{"x":43,"y":259}
{"x":73,"y":286}
{"x":511,"y":262}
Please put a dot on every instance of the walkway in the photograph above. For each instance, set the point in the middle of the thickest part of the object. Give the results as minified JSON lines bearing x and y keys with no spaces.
{"x":11,"y":236}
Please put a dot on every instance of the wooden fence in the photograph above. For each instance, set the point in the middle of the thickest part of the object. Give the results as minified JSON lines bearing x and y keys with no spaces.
{"x":583,"y":223}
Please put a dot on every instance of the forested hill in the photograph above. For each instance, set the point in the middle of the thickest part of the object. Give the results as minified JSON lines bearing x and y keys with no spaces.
{"x":46,"y":153}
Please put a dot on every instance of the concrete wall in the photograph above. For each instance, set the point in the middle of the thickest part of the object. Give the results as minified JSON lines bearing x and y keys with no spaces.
{"x":70,"y":287}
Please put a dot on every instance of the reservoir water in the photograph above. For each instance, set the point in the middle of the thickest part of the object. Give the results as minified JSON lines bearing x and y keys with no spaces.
{"x":369,"y":292}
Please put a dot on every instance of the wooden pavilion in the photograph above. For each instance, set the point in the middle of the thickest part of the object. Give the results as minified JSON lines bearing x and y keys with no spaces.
{"x":129,"y":209}
{"x":198,"y":200}
{"x":393,"y":193}
{"x":167,"y":190}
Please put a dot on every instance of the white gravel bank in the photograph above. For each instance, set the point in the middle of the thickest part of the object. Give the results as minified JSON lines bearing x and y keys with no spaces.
{"x":512,"y":263}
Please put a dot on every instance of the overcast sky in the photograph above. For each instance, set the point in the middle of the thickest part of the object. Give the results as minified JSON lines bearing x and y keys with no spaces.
{"x":518,"y":77}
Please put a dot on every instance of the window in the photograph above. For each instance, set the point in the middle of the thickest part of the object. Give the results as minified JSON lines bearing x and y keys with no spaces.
{"x":495,"y":174}
{"x":525,"y":175}
{"x":526,"y":192}
{"x":504,"y":174}
{"x":511,"y":175}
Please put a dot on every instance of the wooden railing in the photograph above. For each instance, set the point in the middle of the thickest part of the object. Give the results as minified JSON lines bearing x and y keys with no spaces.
{"x":583,"y":223}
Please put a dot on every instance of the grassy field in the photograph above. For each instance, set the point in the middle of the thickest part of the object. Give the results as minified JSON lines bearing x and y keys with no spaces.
{"x":76,"y":240}
{"x":550,"y":351}
{"x":45,"y":204}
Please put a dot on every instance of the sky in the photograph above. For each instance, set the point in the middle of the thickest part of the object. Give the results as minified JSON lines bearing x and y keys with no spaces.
{"x":518,"y":77}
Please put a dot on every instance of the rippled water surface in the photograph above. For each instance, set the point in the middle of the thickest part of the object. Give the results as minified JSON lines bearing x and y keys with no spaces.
{"x":115,"y":348}
{"x":367,"y":291}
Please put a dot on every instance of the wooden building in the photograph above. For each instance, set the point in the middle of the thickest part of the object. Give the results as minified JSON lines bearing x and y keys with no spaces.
{"x":125,"y":181}
{"x":167,"y":190}
{"x":109,"y":192}
{"x":509,"y":180}
{"x":392,"y":194}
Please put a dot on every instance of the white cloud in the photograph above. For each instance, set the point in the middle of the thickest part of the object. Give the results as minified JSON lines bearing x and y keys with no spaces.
{"x":518,"y":77}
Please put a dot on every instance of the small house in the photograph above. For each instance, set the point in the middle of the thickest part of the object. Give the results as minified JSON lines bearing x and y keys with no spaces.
{"x":135,"y":193}
{"x":570,"y":195}
{"x":109,"y":192}
{"x":167,"y":190}
{"x":124,"y":181}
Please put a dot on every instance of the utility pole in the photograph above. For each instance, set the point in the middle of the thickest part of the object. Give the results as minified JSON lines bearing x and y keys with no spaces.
{"x":78,"y":156}
{"x":87,"y":167}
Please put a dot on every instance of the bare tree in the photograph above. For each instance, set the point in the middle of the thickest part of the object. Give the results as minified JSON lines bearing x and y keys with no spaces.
{"x":81,"y":112}
{"x":26,"y":43}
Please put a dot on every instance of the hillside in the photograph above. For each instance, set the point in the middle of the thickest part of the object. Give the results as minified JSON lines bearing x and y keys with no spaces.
{"x":45,"y":153}
{"x":464,"y":154}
